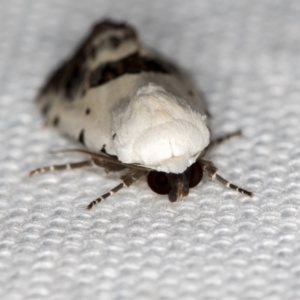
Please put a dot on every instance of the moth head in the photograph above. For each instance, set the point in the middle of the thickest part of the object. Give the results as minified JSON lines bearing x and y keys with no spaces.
{"x":175,"y":185}
{"x":159,"y":131}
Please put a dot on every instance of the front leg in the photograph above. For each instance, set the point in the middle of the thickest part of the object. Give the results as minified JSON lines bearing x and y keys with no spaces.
{"x":127,"y":181}
{"x":210,"y":169}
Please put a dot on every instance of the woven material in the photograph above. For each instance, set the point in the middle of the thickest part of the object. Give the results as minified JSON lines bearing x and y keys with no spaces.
{"x":216,"y":244}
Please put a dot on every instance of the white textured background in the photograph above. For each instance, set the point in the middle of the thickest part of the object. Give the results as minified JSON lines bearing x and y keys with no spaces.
{"x":245,"y":55}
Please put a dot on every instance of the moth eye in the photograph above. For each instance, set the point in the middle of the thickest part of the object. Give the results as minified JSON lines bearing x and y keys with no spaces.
{"x":196,"y":174}
{"x":159,"y":183}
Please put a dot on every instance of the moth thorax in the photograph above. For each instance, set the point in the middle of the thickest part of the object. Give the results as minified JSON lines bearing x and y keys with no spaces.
{"x":158,"y":131}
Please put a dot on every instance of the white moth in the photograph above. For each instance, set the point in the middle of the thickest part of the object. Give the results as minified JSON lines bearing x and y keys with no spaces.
{"x":132,"y":110}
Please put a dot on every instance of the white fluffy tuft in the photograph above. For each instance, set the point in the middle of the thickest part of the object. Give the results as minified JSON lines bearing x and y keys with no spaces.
{"x":159,"y":131}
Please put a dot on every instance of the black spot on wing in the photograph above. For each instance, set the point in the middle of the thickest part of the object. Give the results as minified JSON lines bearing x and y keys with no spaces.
{"x":56,"y":121}
{"x":81,"y":137}
{"x":113,"y":35}
{"x":132,"y":64}
{"x":87,"y":111}
{"x":103,"y":149}
{"x":115,"y":42}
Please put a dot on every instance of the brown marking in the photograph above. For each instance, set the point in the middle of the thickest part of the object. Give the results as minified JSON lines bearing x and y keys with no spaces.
{"x":69,"y":78}
{"x":81,"y":137}
{"x":103,"y":149}
{"x":132,"y":64}
{"x":115,"y":42}
{"x":56,"y":121}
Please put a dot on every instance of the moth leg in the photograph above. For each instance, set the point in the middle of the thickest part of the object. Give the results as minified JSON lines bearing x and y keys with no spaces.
{"x":127,"y":180}
{"x":210,"y":169}
{"x":70,"y":166}
{"x":224,"y":138}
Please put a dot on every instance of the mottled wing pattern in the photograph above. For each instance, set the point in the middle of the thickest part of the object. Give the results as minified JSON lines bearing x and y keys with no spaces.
{"x":69,"y":79}
{"x":106,"y":69}
{"x":102,"y":76}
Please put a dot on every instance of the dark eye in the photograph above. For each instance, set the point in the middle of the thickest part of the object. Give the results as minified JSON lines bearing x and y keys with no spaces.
{"x":196,"y":174}
{"x":159,"y":183}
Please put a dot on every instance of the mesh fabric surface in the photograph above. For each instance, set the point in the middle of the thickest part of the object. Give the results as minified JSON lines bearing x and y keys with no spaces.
{"x":215,"y":244}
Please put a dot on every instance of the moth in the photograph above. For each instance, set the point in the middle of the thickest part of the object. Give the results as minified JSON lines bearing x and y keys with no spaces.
{"x":133,"y":111}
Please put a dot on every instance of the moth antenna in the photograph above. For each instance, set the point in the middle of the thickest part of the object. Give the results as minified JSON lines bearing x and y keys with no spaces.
{"x":104,"y":157}
{"x":224,"y":138}
{"x":127,"y":181}
{"x":69,"y":166}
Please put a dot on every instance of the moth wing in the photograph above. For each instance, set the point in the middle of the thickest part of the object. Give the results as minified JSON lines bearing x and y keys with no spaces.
{"x":66,"y":99}
{"x":105,"y":36}
{"x":106,"y":70}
